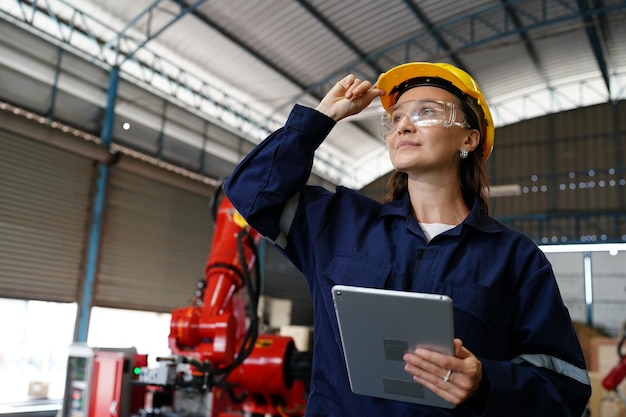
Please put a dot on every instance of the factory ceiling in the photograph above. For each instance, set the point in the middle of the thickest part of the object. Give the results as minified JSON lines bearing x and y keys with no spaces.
{"x":197,"y":83}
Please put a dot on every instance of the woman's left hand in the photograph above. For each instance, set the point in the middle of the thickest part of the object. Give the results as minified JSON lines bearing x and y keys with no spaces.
{"x":453,"y":378}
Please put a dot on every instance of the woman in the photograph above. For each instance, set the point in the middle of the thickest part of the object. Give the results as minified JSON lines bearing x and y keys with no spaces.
{"x":516,"y":353}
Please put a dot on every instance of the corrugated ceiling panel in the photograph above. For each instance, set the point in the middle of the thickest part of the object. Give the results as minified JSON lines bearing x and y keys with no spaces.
{"x":298,"y":43}
{"x":283,"y":32}
{"x":354,"y":20}
{"x":502,"y":70}
{"x":34,"y":95}
{"x":614,"y":34}
{"x":570,"y":54}
{"x":44,"y":209}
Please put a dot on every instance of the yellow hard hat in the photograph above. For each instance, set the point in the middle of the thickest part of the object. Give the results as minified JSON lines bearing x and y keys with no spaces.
{"x":439,"y":74}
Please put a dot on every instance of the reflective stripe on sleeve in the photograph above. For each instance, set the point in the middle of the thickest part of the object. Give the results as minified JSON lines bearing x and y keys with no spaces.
{"x":286,"y":219}
{"x":556,"y":365}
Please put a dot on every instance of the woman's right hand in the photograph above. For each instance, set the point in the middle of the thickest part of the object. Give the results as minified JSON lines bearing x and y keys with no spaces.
{"x":347,"y":97}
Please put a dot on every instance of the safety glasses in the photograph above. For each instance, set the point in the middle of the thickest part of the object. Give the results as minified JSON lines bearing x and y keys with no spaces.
{"x":422,"y":113}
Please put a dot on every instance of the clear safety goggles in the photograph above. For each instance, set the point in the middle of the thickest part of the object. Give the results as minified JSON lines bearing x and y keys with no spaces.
{"x":422,"y":113}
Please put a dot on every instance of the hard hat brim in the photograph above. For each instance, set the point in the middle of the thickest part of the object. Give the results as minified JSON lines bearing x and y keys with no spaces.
{"x":397,"y":75}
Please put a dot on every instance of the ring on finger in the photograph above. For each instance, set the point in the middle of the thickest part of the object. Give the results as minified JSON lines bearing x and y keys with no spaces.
{"x":446,"y":377}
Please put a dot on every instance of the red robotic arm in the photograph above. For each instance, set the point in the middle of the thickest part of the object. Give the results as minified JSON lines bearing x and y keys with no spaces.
{"x":267,"y":370}
{"x":210,"y":332}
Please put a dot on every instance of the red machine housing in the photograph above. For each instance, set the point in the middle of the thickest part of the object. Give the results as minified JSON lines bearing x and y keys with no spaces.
{"x":99,"y":382}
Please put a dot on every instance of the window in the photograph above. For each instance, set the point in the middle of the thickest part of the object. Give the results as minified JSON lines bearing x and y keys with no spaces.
{"x":33,"y":348}
{"x":35,"y":336}
{"x":146,"y":331}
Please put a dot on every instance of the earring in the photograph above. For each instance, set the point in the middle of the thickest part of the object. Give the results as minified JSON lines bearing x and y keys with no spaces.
{"x":463,"y":154}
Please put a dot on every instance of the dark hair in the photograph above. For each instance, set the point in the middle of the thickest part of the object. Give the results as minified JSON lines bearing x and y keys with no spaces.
{"x":472,"y":175}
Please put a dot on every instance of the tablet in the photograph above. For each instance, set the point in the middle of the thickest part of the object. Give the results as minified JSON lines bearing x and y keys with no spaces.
{"x":378,"y":326}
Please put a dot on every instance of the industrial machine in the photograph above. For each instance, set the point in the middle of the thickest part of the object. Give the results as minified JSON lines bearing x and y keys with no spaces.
{"x":99,"y":382}
{"x":617,"y":374}
{"x":221,"y":366}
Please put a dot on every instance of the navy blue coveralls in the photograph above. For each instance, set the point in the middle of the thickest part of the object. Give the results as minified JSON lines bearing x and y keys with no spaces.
{"x":507,"y":308}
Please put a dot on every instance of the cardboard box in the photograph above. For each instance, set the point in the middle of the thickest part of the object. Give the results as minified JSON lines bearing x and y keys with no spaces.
{"x":274,"y":312}
{"x":301,"y":336}
{"x":603,"y":357}
{"x":585,"y":335}
{"x":603,"y":354}
{"x":602,"y":403}
{"x":37,"y":389}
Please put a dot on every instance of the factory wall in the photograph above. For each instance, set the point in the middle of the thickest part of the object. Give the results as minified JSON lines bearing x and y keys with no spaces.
{"x":156,"y":235}
{"x":571,"y":169}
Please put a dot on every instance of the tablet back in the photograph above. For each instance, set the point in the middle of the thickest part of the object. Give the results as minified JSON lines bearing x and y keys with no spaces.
{"x":378,"y":326}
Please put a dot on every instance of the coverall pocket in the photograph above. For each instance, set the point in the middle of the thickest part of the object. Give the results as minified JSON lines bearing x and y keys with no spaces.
{"x":482,"y":319}
{"x":483,"y":303}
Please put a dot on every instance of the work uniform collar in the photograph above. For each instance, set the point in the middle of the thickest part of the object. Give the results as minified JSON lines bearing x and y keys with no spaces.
{"x":475,"y":218}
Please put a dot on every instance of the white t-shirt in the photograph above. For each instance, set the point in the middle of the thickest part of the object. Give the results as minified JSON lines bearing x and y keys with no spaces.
{"x":433,"y":229}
